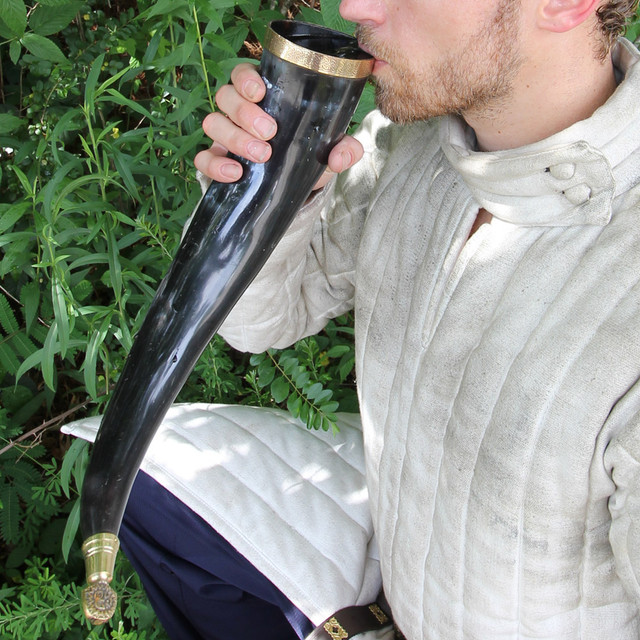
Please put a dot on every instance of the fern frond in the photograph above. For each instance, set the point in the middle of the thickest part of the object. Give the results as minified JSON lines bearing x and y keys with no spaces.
{"x":9,"y":515}
{"x":9,"y":362}
{"x":7,"y":318}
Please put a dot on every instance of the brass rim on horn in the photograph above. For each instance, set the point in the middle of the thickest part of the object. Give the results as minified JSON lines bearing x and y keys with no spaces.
{"x":324,"y":63}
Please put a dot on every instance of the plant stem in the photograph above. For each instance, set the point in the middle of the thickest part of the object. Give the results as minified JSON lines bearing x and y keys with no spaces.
{"x":202,"y":62}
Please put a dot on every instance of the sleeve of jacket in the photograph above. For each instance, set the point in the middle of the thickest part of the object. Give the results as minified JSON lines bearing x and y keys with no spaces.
{"x":310,"y":277}
{"x":622,"y":458}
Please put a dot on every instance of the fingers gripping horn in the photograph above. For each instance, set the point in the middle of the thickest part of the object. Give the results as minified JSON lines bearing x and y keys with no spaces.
{"x":314,"y":78}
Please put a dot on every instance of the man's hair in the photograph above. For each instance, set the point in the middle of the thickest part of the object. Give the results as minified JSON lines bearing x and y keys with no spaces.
{"x":613,"y":16}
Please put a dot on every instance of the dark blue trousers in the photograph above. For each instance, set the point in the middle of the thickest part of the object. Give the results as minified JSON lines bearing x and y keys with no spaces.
{"x":200,"y":587}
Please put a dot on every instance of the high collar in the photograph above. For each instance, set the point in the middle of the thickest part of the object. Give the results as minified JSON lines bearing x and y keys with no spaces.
{"x":570,"y":178}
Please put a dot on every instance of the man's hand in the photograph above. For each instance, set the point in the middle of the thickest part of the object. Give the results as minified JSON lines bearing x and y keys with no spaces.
{"x":246,"y":128}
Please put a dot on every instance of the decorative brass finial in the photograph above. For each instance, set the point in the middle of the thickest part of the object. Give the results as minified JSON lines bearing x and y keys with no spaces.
{"x":99,"y":600}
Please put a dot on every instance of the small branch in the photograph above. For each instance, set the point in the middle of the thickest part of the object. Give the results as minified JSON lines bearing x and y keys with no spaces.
{"x":36,"y":431}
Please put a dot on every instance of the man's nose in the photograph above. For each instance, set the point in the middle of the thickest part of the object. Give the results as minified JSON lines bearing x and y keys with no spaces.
{"x":365,"y":12}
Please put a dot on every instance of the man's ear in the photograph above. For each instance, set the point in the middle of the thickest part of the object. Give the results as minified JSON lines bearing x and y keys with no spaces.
{"x":563,"y":15}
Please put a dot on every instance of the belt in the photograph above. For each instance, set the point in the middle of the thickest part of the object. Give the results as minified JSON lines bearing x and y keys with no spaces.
{"x":350,"y":621}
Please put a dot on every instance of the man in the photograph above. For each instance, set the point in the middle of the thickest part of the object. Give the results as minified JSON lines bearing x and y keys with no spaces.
{"x":493,"y":260}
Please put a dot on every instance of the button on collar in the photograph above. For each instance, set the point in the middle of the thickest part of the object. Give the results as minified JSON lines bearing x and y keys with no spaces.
{"x":563,"y":171}
{"x":578,"y":194}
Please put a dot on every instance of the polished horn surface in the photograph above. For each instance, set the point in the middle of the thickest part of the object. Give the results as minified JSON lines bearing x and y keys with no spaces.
{"x":314,"y":78}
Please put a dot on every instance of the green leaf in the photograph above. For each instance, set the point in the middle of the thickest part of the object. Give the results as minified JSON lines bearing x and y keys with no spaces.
{"x":15,"y":49}
{"x":30,"y":298}
{"x":9,"y":123}
{"x":304,"y":413}
{"x":91,"y":358}
{"x":78,"y":446}
{"x":71,"y":529}
{"x":223,"y":4}
{"x":256,"y":358}
{"x":288,"y":363}
{"x":266,"y":373}
{"x":164,"y":7}
{"x":187,"y":46}
{"x":123,"y":163}
{"x":51,"y":347}
{"x":280,"y":389}
{"x":111,"y":79}
{"x":43,"y":48}
{"x":118,"y":98}
{"x":313,"y":391}
{"x":301,"y":377}
{"x":330,"y":407}
{"x":311,"y":15}
{"x":24,"y":181}
{"x":322,"y":397}
{"x":48,"y":353}
{"x":7,"y":239}
{"x":14,"y":15}
{"x":333,"y":19}
{"x":115,"y":269}
{"x":261,"y":20}
{"x":12,"y":214}
{"x":53,"y":189}
{"x":30,"y":362}
{"x":47,"y":20}
{"x":60,"y":311}
{"x":338,"y":350}
{"x":294,"y":404}
{"x":221,"y":43}
{"x":92,"y":80}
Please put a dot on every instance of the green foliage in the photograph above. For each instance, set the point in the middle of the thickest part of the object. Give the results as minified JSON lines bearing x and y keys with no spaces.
{"x":633,"y":28}
{"x":101,"y":106}
{"x":314,"y":378}
{"x":46,"y":608}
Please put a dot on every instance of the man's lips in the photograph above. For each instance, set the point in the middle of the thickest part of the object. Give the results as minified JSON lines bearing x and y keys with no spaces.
{"x":379,"y":63}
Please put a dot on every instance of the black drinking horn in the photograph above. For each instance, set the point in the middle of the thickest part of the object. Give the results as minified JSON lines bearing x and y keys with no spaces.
{"x":314,"y":78}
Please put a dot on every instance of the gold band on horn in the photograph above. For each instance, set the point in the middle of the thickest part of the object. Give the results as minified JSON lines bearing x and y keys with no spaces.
{"x":324,"y":63}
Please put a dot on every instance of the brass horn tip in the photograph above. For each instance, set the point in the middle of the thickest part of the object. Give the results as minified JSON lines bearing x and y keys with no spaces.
{"x":99,"y":602}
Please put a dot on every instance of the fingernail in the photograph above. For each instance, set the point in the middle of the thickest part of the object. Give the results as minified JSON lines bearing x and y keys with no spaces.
{"x":265,"y":127}
{"x":258,"y":150}
{"x":346,"y":160}
{"x":231,"y":171}
{"x":251,"y":88}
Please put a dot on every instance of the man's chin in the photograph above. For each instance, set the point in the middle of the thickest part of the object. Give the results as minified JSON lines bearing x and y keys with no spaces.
{"x":400,"y":111}
{"x":402,"y":108}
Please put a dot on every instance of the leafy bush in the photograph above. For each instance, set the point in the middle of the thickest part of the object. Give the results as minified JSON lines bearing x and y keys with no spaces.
{"x":101,"y":106}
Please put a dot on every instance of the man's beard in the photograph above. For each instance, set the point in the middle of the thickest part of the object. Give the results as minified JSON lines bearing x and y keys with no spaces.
{"x":478,"y":76}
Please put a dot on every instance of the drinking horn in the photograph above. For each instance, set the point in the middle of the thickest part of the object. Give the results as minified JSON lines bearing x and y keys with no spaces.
{"x":314,"y":78}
